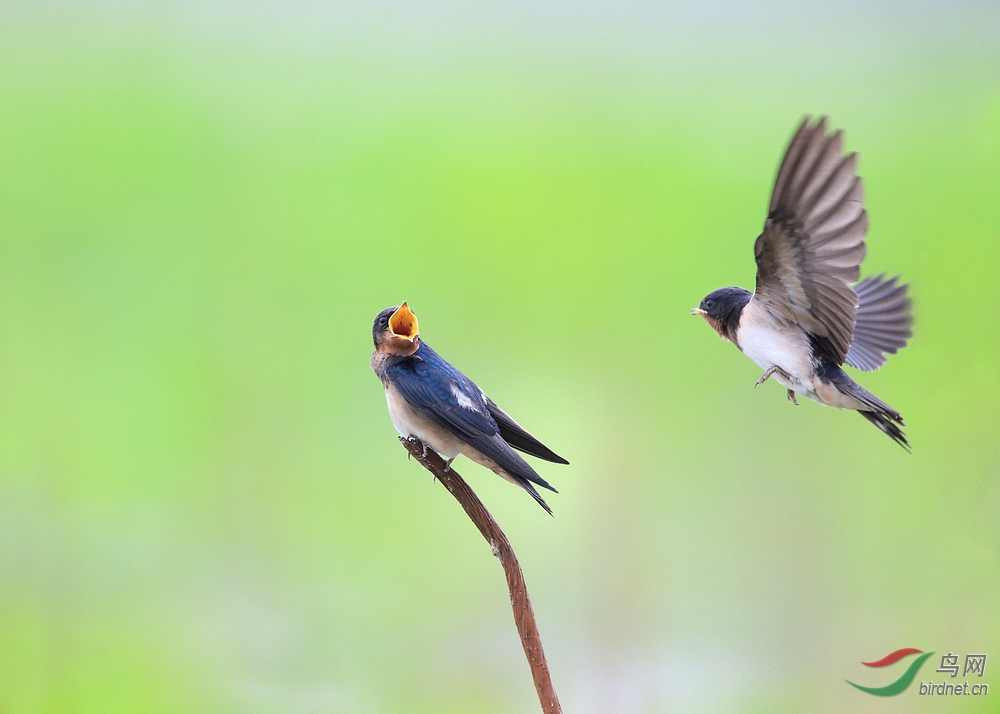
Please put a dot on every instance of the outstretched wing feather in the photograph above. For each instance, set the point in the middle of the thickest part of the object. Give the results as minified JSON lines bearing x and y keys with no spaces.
{"x":813,"y":241}
{"x":883,"y":324}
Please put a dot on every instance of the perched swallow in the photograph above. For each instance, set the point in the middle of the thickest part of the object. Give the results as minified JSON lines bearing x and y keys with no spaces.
{"x":433,"y":401}
{"x":805,"y":320}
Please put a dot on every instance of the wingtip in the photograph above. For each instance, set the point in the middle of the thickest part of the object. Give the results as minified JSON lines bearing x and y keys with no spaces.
{"x":545,"y":484}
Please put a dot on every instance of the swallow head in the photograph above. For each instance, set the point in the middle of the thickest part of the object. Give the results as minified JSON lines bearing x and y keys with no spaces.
{"x":721,"y":310}
{"x":395,"y":330}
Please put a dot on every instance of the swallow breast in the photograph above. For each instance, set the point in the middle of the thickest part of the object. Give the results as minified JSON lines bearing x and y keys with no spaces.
{"x":769,"y":343}
{"x":410,"y":422}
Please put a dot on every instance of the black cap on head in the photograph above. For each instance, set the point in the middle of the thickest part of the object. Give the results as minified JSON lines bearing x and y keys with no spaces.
{"x":380,"y":327}
{"x":722,"y":308}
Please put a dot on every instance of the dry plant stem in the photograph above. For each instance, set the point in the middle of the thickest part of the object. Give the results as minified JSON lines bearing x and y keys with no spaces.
{"x":524,"y":616}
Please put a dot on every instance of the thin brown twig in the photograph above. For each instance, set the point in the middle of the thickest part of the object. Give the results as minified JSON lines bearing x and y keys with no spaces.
{"x":524,"y":616}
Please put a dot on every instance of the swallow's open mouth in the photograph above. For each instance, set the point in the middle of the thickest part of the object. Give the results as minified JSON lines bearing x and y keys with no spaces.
{"x":403,"y":323}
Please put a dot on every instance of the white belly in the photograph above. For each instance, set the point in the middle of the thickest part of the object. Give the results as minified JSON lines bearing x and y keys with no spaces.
{"x":761,"y":340}
{"x":409,"y":422}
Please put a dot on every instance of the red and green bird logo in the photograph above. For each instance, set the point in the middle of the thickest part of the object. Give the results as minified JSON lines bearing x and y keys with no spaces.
{"x":904,"y":680}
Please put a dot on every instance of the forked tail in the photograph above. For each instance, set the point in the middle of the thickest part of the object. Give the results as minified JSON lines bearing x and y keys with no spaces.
{"x":885,"y":421}
{"x":872,"y":408}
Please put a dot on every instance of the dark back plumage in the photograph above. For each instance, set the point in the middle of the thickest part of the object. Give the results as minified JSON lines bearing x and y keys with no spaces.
{"x":454,"y":402}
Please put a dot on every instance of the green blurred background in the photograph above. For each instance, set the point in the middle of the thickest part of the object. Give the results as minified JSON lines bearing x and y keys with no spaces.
{"x":203,"y":506}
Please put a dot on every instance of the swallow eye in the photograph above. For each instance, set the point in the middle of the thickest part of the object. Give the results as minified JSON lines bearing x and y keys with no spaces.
{"x":708,"y":304}
{"x":383,"y":321}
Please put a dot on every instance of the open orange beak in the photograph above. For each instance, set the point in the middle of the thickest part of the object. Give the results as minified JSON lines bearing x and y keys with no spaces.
{"x":403,"y":323}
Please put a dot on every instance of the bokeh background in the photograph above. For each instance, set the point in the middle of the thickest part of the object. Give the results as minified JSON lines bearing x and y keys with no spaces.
{"x":203,"y":205}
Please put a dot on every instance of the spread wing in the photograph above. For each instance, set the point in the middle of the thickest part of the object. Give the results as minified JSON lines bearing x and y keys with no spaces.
{"x":814,"y":240}
{"x":883,"y":324}
{"x":452,"y":401}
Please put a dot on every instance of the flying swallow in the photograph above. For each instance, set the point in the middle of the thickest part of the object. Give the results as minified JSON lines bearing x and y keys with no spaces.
{"x":433,"y":401}
{"x":805,"y":319}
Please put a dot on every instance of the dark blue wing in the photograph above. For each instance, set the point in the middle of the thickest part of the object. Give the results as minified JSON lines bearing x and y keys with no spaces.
{"x":451,"y":400}
{"x":519,"y":437}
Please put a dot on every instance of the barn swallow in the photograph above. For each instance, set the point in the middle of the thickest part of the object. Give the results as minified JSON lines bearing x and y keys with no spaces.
{"x":433,"y":401}
{"x":806,"y":317}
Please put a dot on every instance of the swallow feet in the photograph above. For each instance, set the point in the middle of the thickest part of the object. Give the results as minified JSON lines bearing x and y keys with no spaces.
{"x":791,"y":397}
{"x":773,"y":369}
{"x":414,"y":440}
